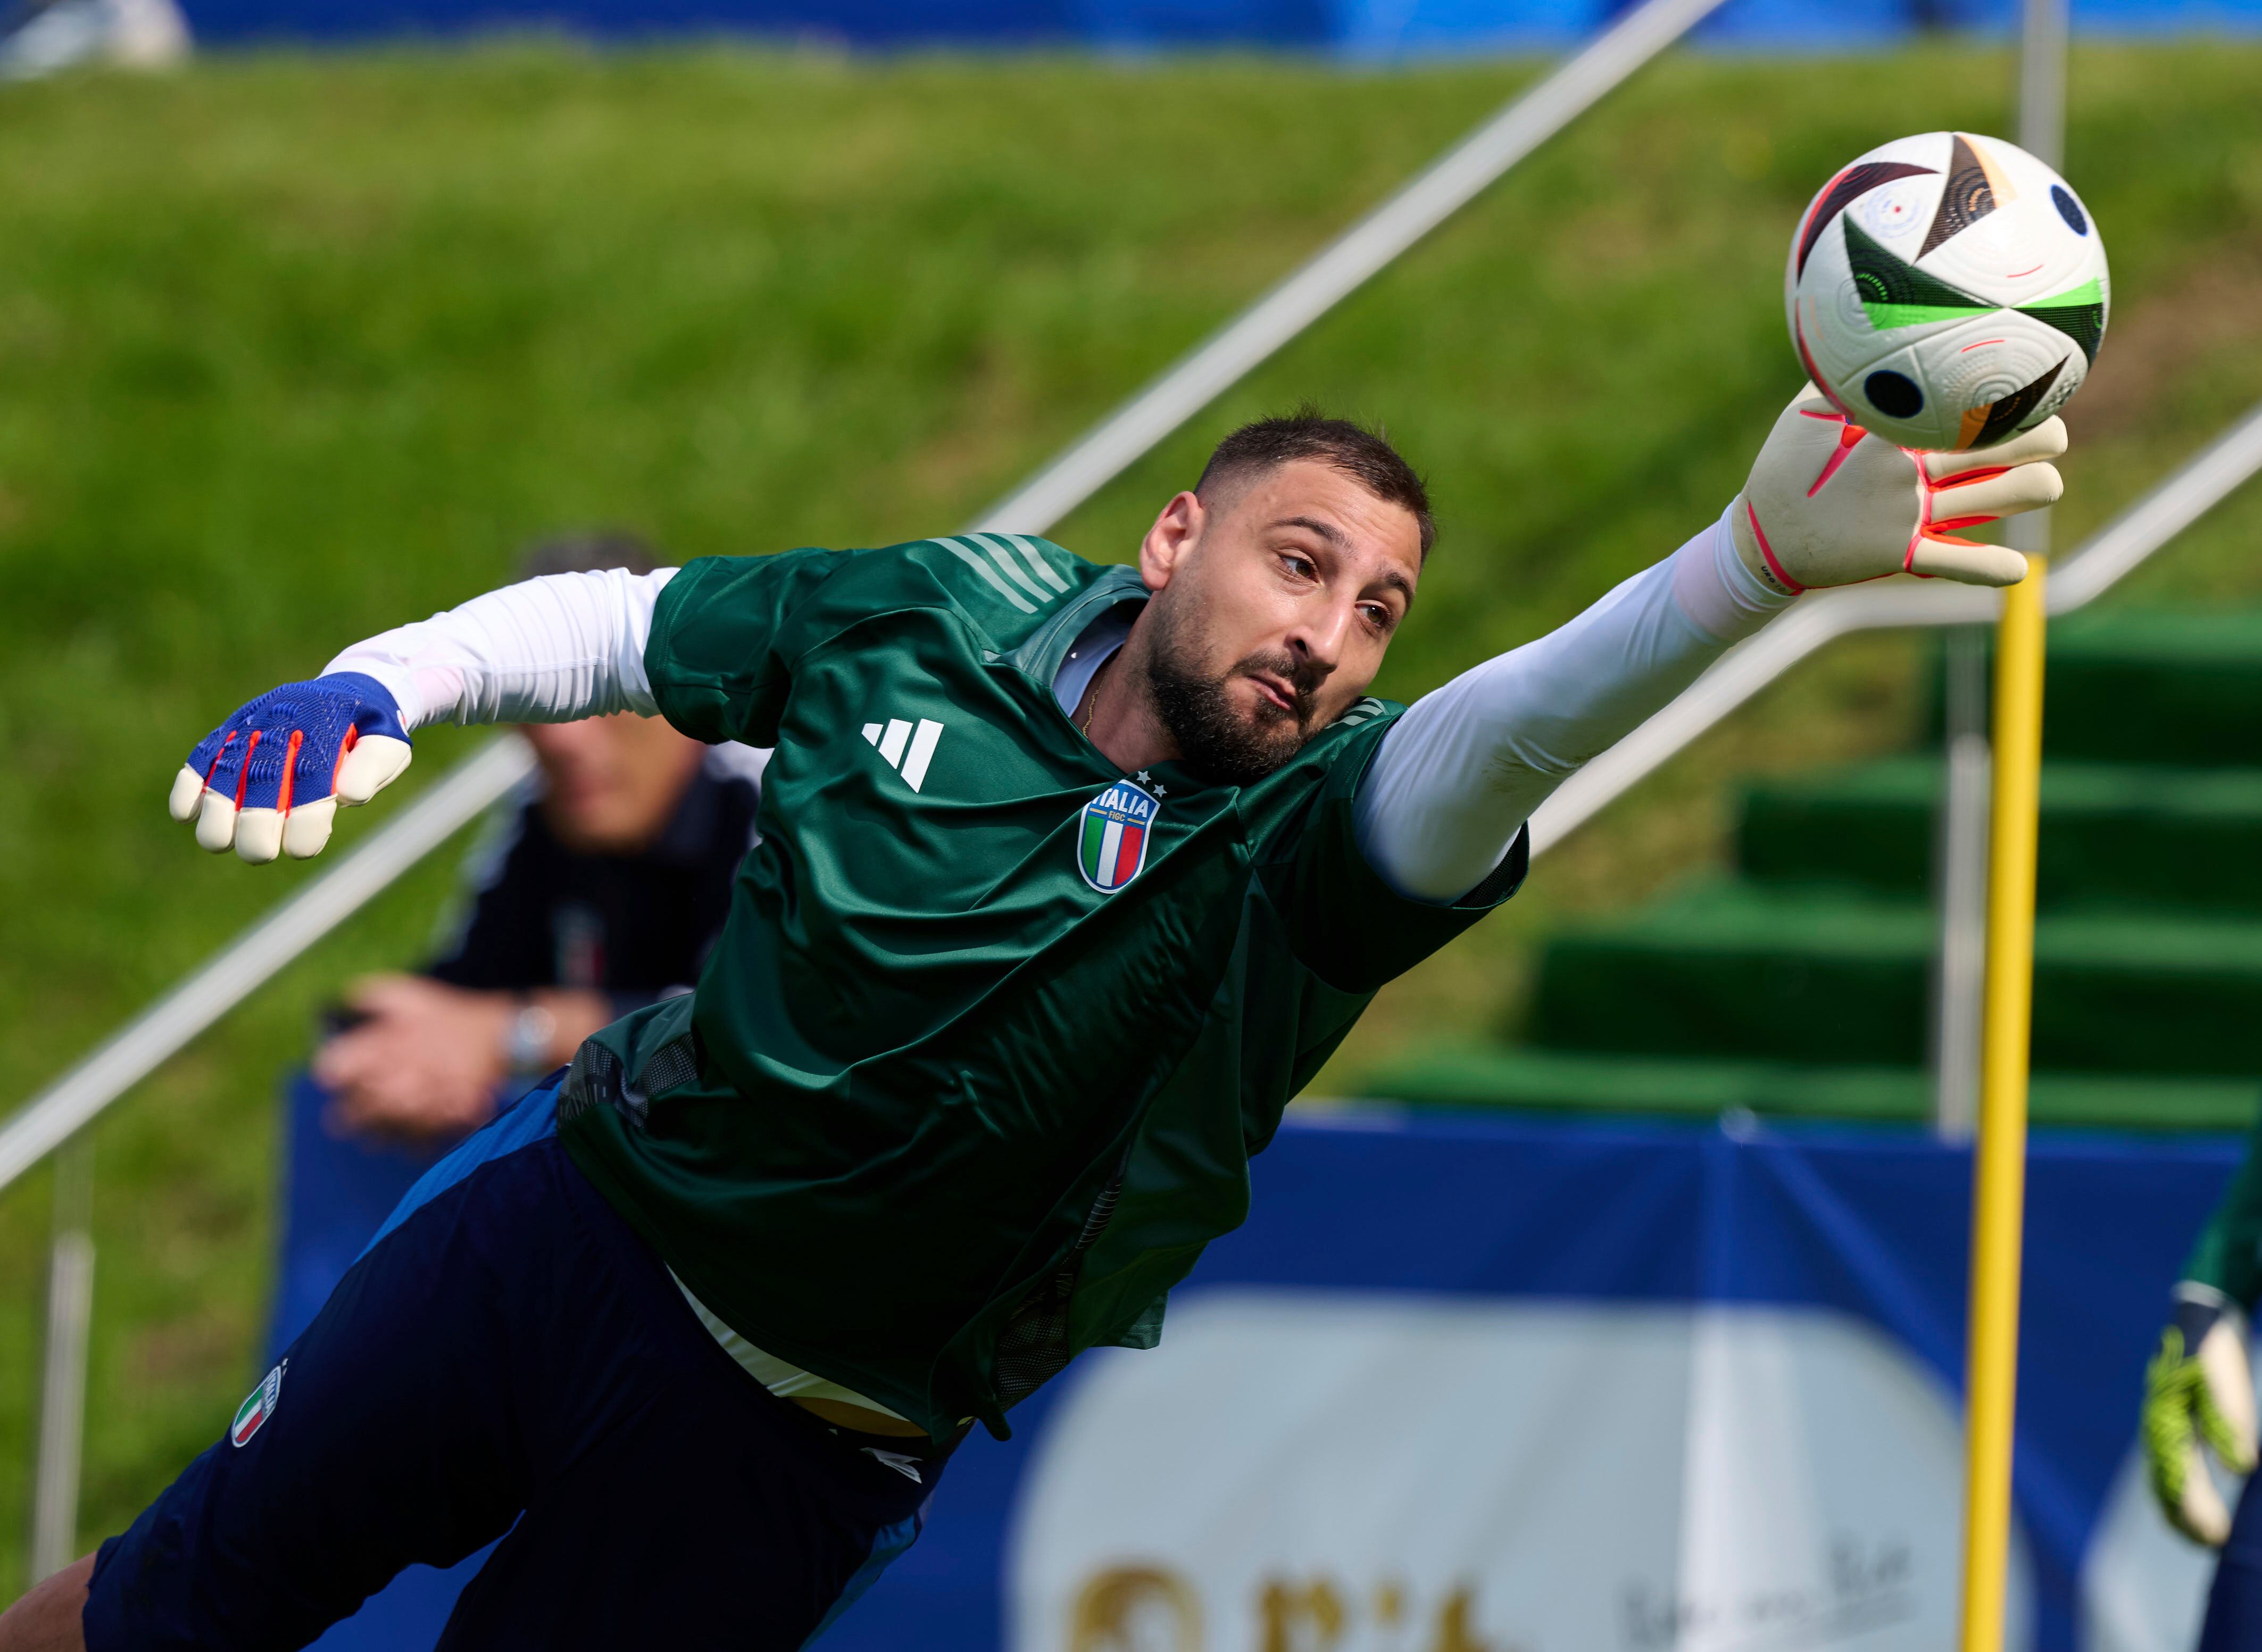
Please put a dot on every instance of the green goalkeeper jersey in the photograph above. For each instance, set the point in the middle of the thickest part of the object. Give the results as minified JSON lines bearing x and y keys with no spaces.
{"x":977,"y":1064}
{"x":2228,"y":1253}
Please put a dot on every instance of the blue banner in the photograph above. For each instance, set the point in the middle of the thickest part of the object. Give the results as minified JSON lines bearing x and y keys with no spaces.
{"x":1355,"y":28}
{"x":1492,"y":1384}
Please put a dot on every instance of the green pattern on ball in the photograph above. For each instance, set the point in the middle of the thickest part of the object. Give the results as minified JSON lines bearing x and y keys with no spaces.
{"x":2079,"y":313}
{"x":1897,"y":293}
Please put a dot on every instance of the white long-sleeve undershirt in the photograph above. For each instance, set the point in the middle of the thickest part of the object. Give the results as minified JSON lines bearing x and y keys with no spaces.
{"x":1455,"y":779}
{"x":551,"y":650}
{"x":1462,"y":770}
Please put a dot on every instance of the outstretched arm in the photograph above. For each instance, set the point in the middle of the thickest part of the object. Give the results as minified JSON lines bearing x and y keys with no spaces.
{"x":1464,"y":768}
{"x":270,"y":779}
{"x":552,"y":650}
{"x":1826,"y":504}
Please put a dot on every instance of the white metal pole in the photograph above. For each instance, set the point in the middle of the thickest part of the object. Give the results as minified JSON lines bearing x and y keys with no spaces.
{"x":1960,"y":879}
{"x":1962,"y":883}
{"x":1343,"y":265}
{"x":62,"y":1374}
{"x":2199,"y":484}
{"x":2042,"y":30}
{"x":61,"y":1111}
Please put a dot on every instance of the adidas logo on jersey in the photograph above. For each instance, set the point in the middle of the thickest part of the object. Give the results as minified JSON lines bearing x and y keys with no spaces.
{"x":906,"y":750}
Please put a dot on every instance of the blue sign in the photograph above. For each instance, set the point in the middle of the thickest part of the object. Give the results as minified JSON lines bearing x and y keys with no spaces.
{"x":1489,"y":1382}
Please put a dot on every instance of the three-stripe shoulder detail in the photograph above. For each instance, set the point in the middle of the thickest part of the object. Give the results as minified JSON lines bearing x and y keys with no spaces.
{"x":1012,"y":566}
{"x":1362,"y":711}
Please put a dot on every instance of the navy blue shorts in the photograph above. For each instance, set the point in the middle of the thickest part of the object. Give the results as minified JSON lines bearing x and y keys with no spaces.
{"x":509,"y":1357}
{"x":2233,"y":1605}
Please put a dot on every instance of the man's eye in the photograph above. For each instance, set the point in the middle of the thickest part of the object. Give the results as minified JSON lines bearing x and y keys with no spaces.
{"x":1376,"y":615}
{"x":1303,"y":568}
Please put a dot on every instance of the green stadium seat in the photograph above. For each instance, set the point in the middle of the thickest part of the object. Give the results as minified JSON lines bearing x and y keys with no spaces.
{"x":1800,"y":984}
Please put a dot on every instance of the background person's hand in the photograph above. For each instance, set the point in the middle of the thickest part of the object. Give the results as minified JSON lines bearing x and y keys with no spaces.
{"x":426,"y":1059}
{"x":2198,"y":1390}
{"x":1830,"y":504}
{"x":270,"y":779}
{"x":423,"y":1062}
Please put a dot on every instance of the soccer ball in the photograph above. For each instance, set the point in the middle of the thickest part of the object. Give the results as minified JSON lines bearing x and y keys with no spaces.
{"x":1947,"y":290}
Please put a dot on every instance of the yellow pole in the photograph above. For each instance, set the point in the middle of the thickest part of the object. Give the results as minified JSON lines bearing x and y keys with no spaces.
{"x":2000,"y":1181}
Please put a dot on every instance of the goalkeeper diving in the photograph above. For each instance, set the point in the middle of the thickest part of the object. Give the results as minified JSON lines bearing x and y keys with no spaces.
{"x":1070,"y":877}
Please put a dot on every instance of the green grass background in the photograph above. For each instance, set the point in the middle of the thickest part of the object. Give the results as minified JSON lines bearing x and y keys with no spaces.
{"x":294,"y":347}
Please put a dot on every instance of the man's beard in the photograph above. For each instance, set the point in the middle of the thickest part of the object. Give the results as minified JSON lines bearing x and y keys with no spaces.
{"x":1215,"y":739}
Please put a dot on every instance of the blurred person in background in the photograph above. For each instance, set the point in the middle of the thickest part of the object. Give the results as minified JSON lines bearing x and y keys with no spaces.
{"x":597,"y":889}
{"x":2199,"y":1398}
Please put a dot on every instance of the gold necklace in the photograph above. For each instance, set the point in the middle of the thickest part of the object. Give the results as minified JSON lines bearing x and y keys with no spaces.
{"x":1092,"y":697}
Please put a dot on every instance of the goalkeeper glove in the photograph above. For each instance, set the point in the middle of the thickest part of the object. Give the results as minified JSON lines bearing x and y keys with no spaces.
{"x":2198,"y":1390}
{"x":268,"y":780}
{"x":1830,"y":504}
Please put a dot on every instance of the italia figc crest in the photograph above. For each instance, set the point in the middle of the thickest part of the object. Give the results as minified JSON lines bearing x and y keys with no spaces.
{"x":1111,"y":842}
{"x":252,"y":1415}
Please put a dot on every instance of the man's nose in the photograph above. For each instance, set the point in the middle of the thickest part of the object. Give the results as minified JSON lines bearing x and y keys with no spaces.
{"x":1320,"y":638}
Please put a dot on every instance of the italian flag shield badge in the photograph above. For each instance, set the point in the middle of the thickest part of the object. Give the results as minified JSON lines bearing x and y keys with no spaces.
{"x":252,"y":1415}
{"x":1111,"y":844}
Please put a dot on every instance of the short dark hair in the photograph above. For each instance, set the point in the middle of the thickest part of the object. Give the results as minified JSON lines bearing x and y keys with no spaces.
{"x":1364,"y":455}
{"x":588,"y":552}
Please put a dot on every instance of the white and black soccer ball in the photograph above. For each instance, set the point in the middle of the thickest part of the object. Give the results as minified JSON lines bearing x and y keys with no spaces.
{"x":1947,"y":290}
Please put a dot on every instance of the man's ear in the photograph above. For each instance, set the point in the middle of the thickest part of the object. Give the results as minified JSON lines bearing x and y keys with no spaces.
{"x":1173,"y":534}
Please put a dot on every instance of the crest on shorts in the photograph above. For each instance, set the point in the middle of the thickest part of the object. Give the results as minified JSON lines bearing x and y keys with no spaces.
{"x":252,"y":1415}
{"x":1111,"y":844}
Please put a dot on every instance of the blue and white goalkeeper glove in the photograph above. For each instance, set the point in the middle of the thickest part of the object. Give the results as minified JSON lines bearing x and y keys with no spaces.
{"x":268,"y":780}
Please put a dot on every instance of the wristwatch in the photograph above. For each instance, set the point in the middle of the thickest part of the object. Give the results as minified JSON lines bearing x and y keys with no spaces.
{"x":527,"y":1044}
